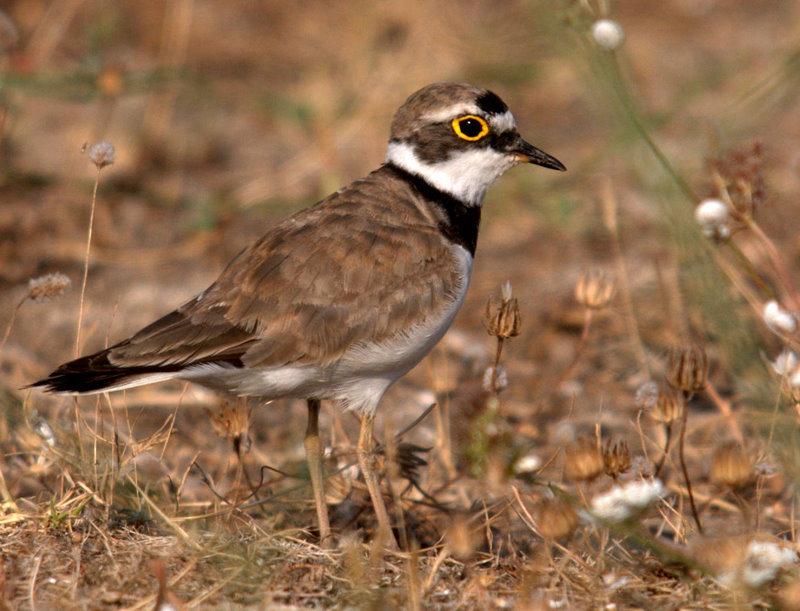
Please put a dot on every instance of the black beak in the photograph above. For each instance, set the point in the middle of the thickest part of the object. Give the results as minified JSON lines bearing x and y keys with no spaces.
{"x":527,"y":153}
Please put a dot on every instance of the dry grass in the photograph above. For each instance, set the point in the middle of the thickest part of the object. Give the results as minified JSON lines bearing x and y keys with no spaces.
{"x":226,"y":116}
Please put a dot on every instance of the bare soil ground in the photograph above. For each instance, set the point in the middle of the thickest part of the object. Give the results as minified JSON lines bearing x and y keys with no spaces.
{"x":227,"y":116}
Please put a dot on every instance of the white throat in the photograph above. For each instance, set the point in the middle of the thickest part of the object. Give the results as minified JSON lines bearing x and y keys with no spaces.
{"x":466,"y":175}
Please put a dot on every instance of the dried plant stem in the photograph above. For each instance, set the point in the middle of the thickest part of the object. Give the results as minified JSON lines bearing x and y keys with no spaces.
{"x":684,"y":419}
{"x":667,"y":443}
{"x":204,"y":596}
{"x":171,"y":524}
{"x":8,"y":500}
{"x":13,"y":319}
{"x":433,"y":574}
{"x":752,"y":273}
{"x":444,"y":441}
{"x":86,"y":265}
{"x":497,"y":354}
{"x":391,"y":475}
{"x":775,"y":259}
{"x":725,"y":409}
{"x":610,"y":208}
{"x":744,"y":509}
{"x":32,"y":587}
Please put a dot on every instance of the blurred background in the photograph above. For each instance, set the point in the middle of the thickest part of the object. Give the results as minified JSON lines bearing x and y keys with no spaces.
{"x":228,"y":115}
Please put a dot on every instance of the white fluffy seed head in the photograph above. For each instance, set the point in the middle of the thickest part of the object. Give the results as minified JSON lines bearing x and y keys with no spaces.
{"x":646,"y":395}
{"x":495,"y":382}
{"x":628,"y":500}
{"x":763,"y":561}
{"x":714,"y":218}
{"x":101,"y":154}
{"x":48,"y":287}
{"x":608,"y":34}
{"x":785,"y":363}
{"x":528,"y":464}
{"x":779,"y":320}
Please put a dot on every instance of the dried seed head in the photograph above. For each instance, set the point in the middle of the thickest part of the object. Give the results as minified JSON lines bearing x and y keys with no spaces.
{"x":616,"y":458}
{"x":101,"y":154}
{"x":556,"y":518}
{"x":730,"y":466}
{"x":687,"y":368}
{"x":47,"y":287}
{"x":740,"y":180}
{"x":595,"y":289}
{"x":646,"y":395}
{"x":669,"y":406}
{"x":584,"y":460}
{"x":503,"y":320}
{"x":231,"y":421}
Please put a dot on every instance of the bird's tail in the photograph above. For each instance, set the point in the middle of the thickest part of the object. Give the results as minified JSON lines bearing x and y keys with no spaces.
{"x":96,"y":373}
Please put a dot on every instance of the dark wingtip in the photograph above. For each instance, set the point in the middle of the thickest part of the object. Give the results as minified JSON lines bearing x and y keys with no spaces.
{"x":76,"y":383}
{"x":87,"y":374}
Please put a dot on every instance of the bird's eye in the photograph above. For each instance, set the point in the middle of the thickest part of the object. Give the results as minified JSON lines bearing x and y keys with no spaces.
{"x":470,"y":127}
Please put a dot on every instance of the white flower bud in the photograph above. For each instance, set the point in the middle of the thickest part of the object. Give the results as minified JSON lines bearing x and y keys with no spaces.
{"x":623,"y":502}
{"x":528,"y":464}
{"x":608,"y":34}
{"x":780,"y":321}
{"x":785,"y":363}
{"x":764,"y":561}
{"x":713,"y":215}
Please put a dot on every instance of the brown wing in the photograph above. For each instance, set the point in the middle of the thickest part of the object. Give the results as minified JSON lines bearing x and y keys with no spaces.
{"x":348,"y":270}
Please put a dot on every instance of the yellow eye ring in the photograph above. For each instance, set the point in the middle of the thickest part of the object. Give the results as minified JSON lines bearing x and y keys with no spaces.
{"x":470,"y":127}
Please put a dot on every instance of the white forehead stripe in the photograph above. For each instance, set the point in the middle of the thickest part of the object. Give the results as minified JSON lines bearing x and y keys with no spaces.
{"x":503,"y":122}
{"x":451,"y":112}
{"x":499,"y":123}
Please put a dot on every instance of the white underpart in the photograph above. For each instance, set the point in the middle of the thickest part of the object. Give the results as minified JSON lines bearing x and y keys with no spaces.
{"x":360,"y":378}
{"x":466,"y":175}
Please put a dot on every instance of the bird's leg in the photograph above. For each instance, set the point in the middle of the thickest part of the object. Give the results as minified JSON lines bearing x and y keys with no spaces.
{"x":314,"y":459}
{"x":366,"y":461}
